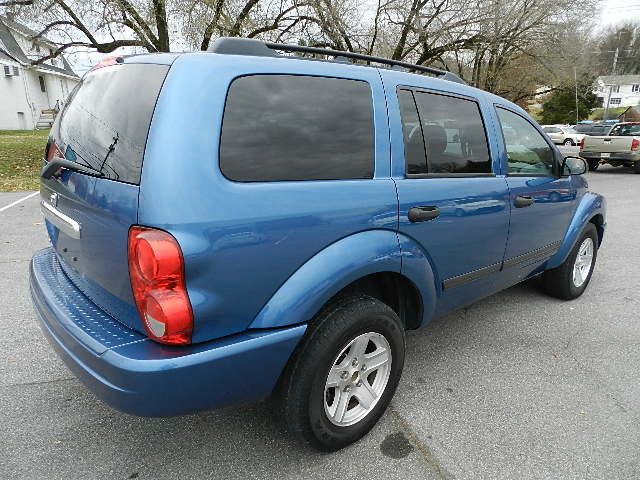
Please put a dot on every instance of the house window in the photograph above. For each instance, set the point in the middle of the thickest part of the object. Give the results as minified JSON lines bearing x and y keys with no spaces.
{"x":16,"y":72}
{"x":43,"y":87}
{"x":7,"y":71}
{"x":615,"y":89}
{"x":36,"y":47}
{"x":615,"y":101}
{"x":635,"y":88}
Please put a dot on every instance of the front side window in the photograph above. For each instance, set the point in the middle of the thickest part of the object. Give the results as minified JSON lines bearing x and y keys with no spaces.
{"x":454,"y":137}
{"x":527,"y":151}
{"x":288,"y":127}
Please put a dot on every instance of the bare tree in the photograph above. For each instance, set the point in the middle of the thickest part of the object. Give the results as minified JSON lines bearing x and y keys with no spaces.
{"x":509,"y":47}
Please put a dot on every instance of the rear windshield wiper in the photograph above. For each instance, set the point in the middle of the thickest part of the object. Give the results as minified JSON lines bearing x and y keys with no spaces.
{"x":50,"y":169}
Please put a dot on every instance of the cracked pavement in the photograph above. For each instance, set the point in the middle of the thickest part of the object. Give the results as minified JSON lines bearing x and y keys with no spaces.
{"x":518,"y":385}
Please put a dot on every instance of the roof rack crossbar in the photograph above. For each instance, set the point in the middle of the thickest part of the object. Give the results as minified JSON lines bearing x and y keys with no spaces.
{"x":250,"y":46}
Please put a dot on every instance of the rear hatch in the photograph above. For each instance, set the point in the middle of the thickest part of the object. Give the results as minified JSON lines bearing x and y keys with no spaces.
{"x":104,"y":126}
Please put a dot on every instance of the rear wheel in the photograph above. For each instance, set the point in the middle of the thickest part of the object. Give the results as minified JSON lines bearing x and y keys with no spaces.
{"x":569,"y":280}
{"x":593,"y":164}
{"x":568,"y":143}
{"x":344,"y":374}
{"x":636,"y":167}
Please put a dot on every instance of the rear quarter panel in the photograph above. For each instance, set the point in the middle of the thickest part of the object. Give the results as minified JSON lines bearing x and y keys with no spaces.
{"x":242,"y":241}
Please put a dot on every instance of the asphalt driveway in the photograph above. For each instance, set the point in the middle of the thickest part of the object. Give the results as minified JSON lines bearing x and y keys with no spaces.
{"x":517,"y":386}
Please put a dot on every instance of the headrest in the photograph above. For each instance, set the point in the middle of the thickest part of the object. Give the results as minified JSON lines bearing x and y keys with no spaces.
{"x":435,"y":138}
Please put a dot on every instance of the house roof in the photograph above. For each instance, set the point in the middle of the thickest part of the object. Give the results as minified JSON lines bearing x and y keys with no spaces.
{"x":619,"y":79}
{"x":9,"y":47}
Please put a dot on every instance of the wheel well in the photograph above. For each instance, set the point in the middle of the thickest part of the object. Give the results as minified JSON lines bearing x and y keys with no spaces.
{"x":598,"y":221}
{"x":393,"y":289}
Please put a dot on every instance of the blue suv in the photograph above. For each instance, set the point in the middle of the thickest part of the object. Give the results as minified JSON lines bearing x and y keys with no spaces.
{"x":238,"y":224}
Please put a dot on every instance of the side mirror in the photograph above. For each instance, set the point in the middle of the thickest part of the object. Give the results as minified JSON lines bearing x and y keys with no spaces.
{"x":573,"y":166}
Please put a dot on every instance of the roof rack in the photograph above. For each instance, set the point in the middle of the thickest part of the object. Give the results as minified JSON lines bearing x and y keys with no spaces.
{"x":253,"y":47}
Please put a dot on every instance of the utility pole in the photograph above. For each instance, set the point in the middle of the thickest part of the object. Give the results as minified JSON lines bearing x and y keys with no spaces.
{"x":605,"y":115}
{"x":575,"y":77}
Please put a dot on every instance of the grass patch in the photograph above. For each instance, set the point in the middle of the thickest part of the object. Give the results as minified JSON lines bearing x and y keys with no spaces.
{"x":21,"y":159}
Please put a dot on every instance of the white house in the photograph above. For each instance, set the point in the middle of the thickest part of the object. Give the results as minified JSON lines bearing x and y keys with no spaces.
{"x":29,"y":94}
{"x":625,"y":90}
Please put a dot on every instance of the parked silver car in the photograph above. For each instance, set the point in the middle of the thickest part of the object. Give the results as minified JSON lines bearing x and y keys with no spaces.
{"x":563,"y":135}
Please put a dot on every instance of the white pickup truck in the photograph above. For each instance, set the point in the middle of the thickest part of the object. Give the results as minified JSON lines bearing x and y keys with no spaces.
{"x":620,"y":147}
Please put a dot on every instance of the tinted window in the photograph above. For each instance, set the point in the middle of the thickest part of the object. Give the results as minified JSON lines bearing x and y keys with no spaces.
{"x":414,"y":155}
{"x":105,"y":124}
{"x":285,"y":127}
{"x":527,"y":150}
{"x":454,"y":136}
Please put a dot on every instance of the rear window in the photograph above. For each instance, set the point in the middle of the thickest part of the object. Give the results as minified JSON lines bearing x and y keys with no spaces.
{"x":106,"y":122}
{"x":630,"y":129}
{"x":286,"y":127}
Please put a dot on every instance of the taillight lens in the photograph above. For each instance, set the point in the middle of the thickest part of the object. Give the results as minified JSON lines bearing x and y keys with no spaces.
{"x":582,"y":144}
{"x":635,"y":143}
{"x":156,"y":270}
{"x":52,"y":151}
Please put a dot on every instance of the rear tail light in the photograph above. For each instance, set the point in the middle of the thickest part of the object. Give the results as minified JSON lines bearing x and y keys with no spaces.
{"x":635,"y":143}
{"x":582,"y":144}
{"x":156,"y":270}
{"x":52,"y":151}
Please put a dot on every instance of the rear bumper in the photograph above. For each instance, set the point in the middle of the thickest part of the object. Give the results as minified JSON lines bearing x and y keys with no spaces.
{"x":136,"y":375}
{"x":617,"y":156}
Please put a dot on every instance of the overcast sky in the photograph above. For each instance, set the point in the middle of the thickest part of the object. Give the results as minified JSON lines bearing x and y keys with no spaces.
{"x":617,"y":11}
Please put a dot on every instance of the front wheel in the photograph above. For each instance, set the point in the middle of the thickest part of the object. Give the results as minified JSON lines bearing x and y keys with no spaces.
{"x":570,"y":279}
{"x":344,"y":374}
{"x":636,"y":167}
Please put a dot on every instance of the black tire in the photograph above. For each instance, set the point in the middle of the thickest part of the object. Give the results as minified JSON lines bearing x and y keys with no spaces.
{"x":559,"y":281}
{"x":593,"y":164}
{"x":636,"y":167}
{"x":301,"y":393}
{"x":568,"y":142}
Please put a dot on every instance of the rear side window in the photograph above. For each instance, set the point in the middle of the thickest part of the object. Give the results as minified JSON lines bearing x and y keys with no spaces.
{"x":453,"y":132}
{"x":414,"y":154}
{"x":627,"y":130}
{"x":286,"y":127}
{"x":106,"y":122}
